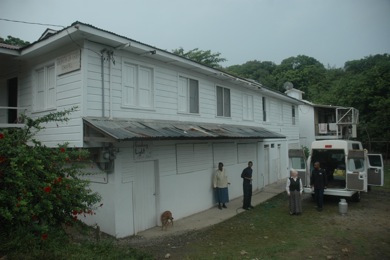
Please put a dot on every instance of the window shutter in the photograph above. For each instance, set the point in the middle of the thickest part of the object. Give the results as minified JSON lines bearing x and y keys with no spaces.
{"x":182,"y":95}
{"x":51,"y":90}
{"x":194,"y":96}
{"x":145,"y":87}
{"x":129,"y":85}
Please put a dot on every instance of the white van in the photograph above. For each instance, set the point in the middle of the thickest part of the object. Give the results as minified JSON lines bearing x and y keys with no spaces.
{"x":350,"y":169}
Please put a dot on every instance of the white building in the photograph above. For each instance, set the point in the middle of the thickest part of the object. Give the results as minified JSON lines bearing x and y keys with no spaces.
{"x":156,"y":124}
{"x":324,"y":122}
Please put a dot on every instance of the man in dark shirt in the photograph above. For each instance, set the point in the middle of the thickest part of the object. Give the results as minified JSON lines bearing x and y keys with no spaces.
{"x":246,"y":175}
{"x":318,"y":181}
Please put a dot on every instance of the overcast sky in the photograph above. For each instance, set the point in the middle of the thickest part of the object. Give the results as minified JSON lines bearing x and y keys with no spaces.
{"x":331,"y":31}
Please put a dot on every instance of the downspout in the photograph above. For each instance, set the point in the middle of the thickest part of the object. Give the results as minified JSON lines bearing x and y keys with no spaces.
{"x":111,"y":59}
{"x":102,"y":71}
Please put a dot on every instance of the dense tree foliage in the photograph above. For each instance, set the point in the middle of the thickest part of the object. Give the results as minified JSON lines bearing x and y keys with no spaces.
{"x":14,"y":41}
{"x":363,"y":84}
{"x":261,"y":71}
{"x":205,"y":57}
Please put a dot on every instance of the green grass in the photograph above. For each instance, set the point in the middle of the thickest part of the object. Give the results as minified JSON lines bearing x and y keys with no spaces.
{"x":269,"y":232}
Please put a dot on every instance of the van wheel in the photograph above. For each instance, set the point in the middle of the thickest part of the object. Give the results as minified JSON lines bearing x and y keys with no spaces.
{"x":356,"y":197}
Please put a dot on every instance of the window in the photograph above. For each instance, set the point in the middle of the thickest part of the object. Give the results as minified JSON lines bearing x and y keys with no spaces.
{"x":137,"y":86}
{"x":223,"y":101}
{"x":247,"y":103}
{"x":188,"y":95}
{"x":264,"y":109}
{"x":45,"y":88}
{"x":293,"y":114}
{"x":193,"y":157}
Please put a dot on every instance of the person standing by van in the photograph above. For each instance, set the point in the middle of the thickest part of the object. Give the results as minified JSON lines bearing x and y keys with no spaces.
{"x":294,"y":190}
{"x":318,"y":181}
{"x":246,"y":175}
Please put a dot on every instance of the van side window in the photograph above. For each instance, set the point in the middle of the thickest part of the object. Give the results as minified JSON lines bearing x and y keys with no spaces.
{"x":355,"y":164}
{"x":355,"y":146}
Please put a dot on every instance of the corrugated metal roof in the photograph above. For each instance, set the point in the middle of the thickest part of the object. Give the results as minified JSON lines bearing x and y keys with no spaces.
{"x":137,"y":129}
{"x":9,"y":46}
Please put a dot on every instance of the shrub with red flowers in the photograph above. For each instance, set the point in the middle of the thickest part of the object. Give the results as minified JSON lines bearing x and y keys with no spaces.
{"x":41,"y":187}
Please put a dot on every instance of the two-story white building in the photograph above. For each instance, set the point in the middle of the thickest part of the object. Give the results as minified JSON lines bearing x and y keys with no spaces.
{"x":156,"y":124}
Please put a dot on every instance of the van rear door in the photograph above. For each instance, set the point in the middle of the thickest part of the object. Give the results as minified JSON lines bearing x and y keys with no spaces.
{"x":297,"y":161}
{"x":356,"y":175}
{"x":375,"y":169}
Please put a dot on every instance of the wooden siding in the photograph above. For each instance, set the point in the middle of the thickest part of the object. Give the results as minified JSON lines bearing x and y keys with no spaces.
{"x":166,"y":81}
{"x":83,"y":88}
{"x":68,"y":92}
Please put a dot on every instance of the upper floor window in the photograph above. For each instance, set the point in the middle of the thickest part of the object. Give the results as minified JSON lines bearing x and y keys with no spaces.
{"x":264,"y":102}
{"x":44,"y":88}
{"x":223,"y":102}
{"x":138,"y":85}
{"x":188,"y":95}
{"x":247,"y":104}
{"x":293,"y":114}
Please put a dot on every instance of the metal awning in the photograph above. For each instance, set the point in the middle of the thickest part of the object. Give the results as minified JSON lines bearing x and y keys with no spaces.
{"x":110,"y":130}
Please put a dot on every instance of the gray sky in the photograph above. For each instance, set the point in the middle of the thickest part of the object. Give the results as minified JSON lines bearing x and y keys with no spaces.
{"x":331,"y":31}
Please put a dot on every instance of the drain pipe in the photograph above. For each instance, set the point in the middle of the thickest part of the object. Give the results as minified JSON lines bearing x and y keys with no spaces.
{"x":102,"y":71}
{"x":110,"y":59}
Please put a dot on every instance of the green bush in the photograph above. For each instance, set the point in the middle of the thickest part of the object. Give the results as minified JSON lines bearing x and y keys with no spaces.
{"x":40,"y":187}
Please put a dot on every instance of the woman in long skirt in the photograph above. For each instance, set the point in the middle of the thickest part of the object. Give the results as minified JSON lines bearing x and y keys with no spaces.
{"x":221,"y":186}
{"x":294,"y":190}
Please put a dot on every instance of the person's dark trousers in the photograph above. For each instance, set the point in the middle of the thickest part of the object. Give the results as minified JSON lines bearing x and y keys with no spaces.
{"x":247,"y":187}
{"x":319,"y":195}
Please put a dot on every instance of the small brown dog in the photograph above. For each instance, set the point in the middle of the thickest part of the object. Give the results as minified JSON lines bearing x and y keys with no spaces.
{"x":166,"y":218}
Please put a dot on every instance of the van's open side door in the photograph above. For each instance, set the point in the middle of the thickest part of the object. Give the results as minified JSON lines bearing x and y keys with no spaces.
{"x":356,"y":175}
{"x":375,"y":169}
{"x":297,"y":161}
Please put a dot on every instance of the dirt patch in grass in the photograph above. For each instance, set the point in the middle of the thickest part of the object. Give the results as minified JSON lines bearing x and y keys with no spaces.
{"x":269,"y":232}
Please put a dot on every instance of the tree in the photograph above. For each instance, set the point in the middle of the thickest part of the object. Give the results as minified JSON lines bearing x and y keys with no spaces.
{"x":205,"y":57}
{"x":40,"y":187}
{"x":304,"y":72}
{"x":14,"y":41}
{"x":365,"y":85}
{"x":261,"y":71}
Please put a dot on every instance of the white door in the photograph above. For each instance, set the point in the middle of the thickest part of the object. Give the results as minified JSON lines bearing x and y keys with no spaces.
{"x":375,"y":169}
{"x":356,"y":175}
{"x":145,"y":196}
{"x":267,"y":172}
{"x":297,"y":161}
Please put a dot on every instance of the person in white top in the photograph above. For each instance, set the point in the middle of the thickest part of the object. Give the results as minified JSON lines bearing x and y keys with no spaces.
{"x":221,"y":186}
{"x":294,"y":191}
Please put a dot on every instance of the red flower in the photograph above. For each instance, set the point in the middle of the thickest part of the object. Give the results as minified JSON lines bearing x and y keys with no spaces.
{"x":74,"y":212}
{"x":1,"y":136}
{"x":47,"y":189}
{"x":62,"y":150}
{"x":58,"y":180}
{"x":2,"y":159}
{"x":44,"y":236}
